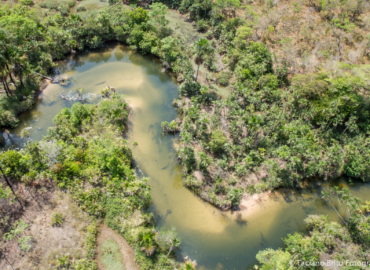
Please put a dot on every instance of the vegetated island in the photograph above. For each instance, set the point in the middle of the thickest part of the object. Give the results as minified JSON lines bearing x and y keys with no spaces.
{"x":73,"y":180}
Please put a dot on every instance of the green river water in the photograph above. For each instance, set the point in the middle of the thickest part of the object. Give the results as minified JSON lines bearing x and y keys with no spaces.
{"x":214,"y":238}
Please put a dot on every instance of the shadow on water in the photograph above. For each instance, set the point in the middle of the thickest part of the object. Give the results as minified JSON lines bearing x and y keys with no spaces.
{"x":215,"y":239}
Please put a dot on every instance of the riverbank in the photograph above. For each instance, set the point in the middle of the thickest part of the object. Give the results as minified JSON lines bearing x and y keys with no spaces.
{"x":97,"y":172}
{"x":210,"y":236}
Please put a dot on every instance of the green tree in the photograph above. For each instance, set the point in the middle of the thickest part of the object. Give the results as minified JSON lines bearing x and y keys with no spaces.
{"x":218,"y":141}
{"x":202,"y":48}
{"x":157,"y":16}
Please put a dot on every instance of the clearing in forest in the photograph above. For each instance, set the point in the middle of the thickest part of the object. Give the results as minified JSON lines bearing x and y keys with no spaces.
{"x":114,"y":253}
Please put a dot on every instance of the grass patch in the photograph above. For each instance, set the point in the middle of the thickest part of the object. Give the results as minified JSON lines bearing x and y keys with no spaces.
{"x":110,"y":255}
{"x":183,"y":28}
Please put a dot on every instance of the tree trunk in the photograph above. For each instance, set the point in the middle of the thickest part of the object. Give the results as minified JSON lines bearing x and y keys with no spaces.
{"x":337,"y":39}
{"x":11,"y":78}
{"x":10,"y":186}
{"x":18,"y":66}
{"x":7,"y":86}
{"x":10,"y":74}
{"x":196,"y":76}
{"x":6,"y":90}
{"x":20,"y":78}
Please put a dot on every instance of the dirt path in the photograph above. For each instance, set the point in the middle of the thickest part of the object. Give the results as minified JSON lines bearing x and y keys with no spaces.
{"x":128,"y":260}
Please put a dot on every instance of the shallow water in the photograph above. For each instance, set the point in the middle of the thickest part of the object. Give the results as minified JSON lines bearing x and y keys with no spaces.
{"x":215,"y":239}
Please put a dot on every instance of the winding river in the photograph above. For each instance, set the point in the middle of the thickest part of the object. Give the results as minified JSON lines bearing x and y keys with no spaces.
{"x":215,"y":239}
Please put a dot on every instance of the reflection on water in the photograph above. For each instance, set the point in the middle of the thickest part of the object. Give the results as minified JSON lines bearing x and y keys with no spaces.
{"x":215,"y":239}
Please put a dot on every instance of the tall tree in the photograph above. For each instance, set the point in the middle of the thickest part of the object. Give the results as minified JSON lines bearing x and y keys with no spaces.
{"x":157,"y":16}
{"x":202,"y":48}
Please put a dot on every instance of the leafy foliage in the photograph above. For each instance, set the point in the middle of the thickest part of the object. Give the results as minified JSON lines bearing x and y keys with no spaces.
{"x":98,"y":172}
{"x":57,"y":220}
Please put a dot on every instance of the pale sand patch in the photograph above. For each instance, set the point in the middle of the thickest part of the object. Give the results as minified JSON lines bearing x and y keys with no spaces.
{"x":49,"y":89}
{"x":198,"y":175}
{"x":121,"y":74}
{"x":106,"y":233}
{"x":135,"y":102}
{"x":252,"y":203}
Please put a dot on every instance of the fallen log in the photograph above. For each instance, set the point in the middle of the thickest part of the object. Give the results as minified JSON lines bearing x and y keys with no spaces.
{"x":46,"y":77}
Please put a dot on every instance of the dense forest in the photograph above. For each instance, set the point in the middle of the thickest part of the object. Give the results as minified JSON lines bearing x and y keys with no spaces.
{"x":296,"y":108}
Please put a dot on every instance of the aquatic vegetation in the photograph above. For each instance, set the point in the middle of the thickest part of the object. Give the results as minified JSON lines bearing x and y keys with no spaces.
{"x":172,"y":127}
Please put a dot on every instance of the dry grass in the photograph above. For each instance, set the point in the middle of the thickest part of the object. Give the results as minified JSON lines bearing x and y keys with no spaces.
{"x":48,"y":241}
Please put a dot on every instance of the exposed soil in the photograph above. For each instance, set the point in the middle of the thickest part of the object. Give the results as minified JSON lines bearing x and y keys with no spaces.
{"x":128,"y":256}
{"x":47,"y":241}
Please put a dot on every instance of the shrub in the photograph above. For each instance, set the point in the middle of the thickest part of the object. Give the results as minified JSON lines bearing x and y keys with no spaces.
{"x":167,"y":241}
{"x":57,"y":220}
{"x":220,"y":188}
{"x":223,"y":78}
{"x":187,"y":156}
{"x":254,"y":62}
{"x":218,"y":141}
{"x":202,"y":26}
{"x":234,"y":195}
{"x":64,"y":10}
{"x":309,"y":86}
{"x":172,"y":127}
{"x":269,"y":81}
{"x":27,"y":2}
{"x":92,"y":231}
{"x":209,"y":34}
{"x":189,"y":88}
{"x":80,"y":9}
{"x":231,"y":181}
{"x":50,"y":4}
{"x":71,"y":3}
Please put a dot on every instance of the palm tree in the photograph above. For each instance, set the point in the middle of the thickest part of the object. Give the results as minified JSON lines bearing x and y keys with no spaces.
{"x":146,"y":241}
{"x":201,"y":48}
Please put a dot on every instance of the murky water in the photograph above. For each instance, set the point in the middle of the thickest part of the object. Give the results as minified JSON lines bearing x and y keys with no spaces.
{"x":215,"y":239}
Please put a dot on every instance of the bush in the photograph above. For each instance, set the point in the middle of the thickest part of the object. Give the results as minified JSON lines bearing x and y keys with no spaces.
{"x":27,"y":2}
{"x":254,"y":62}
{"x":202,"y":26}
{"x":172,"y":127}
{"x":309,"y":86}
{"x":57,"y":220}
{"x":223,"y":78}
{"x":64,"y":10}
{"x":80,"y":9}
{"x":92,"y":231}
{"x":269,"y":81}
{"x":209,"y":34}
{"x":189,"y":88}
{"x":234,"y":195}
{"x":50,"y":4}
{"x":71,"y":3}
{"x":218,"y":141}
